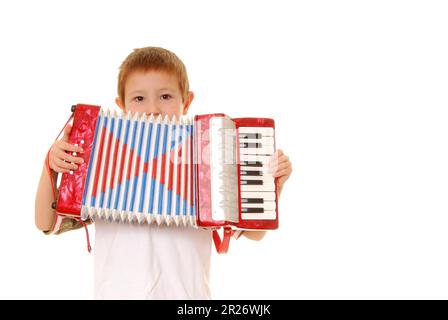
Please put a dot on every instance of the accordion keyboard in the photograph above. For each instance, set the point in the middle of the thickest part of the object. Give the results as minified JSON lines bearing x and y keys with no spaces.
{"x":258,"y":190}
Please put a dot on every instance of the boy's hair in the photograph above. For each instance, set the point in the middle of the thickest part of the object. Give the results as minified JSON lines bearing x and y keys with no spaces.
{"x":153,"y":58}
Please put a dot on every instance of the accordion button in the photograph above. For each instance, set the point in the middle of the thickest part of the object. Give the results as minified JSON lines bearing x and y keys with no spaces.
{"x":82,"y":141}
{"x":71,"y":171}
{"x":74,"y":154}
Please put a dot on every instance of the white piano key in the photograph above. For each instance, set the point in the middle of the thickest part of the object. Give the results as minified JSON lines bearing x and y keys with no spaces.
{"x":268,"y":205}
{"x":266,"y":196}
{"x":264,"y":187}
{"x":264,"y":131}
{"x":265,"y":141}
{"x":264,"y":169}
{"x":265,"y":150}
{"x":265,"y":178}
{"x":267,"y":215}
{"x":258,"y":158}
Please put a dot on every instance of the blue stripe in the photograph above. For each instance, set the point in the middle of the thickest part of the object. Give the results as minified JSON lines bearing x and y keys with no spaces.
{"x":148,"y":145}
{"x":133,"y":135}
{"x":185,"y":208}
{"x":177,"y":204}
{"x":170,"y":195}
{"x":156,"y":148}
{"x":140,"y":206}
{"x":151,"y":196}
{"x":126,"y":133}
{"x":159,"y":211}
{"x":139,"y":152}
{"x":92,"y":202}
{"x":101,"y":199}
{"x":125,"y":194}
{"x":90,"y":161}
{"x":161,"y":186}
{"x":165,"y":138}
{"x":111,"y":189}
{"x":127,"y":180}
{"x":112,"y":125}
{"x":116,"y":198}
{"x":153,"y":181}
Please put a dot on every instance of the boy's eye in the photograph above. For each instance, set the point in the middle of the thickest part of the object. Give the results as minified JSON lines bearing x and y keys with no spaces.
{"x":138,"y":98}
{"x":165,"y":97}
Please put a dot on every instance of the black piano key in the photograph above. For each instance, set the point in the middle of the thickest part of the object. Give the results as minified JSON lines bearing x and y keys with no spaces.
{"x":250,"y":145}
{"x":252,"y":200}
{"x":251,"y":163}
{"x":251,"y":173}
{"x":252,"y":210}
{"x":252,"y":182}
{"x":250,"y":135}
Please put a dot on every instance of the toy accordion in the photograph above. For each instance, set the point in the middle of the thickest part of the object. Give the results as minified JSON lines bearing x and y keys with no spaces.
{"x":209,"y":171}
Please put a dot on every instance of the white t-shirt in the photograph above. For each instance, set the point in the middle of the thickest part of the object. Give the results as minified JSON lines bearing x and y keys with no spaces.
{"x":151,"y":262}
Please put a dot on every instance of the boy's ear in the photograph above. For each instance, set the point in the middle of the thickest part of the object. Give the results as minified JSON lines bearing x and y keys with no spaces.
{"x":188,"y":102}
{"x":119,"y":103}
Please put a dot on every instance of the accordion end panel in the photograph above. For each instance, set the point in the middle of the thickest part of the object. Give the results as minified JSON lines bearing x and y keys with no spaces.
{"x":82,"y":134}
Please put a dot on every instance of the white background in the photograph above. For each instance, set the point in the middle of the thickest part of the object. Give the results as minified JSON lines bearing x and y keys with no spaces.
{"x":358,"y":90}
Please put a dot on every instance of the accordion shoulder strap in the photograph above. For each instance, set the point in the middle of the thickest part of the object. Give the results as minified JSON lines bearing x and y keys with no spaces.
{"x":222,"y":246}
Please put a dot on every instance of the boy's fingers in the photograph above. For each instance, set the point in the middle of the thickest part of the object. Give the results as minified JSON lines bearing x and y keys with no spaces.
{"x":283,"y":165}
{"x":284,"y":172}
{"x":277,"y":157}
{"x":60,"y":170}
{"x":67,"y":157}
{"x":65,"y":165}
{"x":69,"y":147}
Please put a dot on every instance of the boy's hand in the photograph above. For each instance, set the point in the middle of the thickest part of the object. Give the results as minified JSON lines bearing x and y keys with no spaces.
{"x":60,"y":160}
{"x":281,"y":168}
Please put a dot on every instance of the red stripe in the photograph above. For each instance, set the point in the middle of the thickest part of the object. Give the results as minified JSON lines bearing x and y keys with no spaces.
{"x":185,"y":180}
{"x":179,"y":160}
{"x":98,"y":162}
{"x":137,"y":165}
{"x":162,"y":174}
{"x":145,"y":167}
{"x":123,"y":153}
{"x":171,"y":164}
{"x":114,"y":163}
{"x":106,"y":164}
{"x":131,"y":155}
{"x":154,"y":168}
{"x":191,"y":171}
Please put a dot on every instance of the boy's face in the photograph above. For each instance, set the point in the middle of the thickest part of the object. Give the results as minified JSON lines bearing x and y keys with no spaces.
{"x":154,"y":92}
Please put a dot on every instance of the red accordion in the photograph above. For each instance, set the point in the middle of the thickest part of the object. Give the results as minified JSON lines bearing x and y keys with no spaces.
{"x":209,"y":171}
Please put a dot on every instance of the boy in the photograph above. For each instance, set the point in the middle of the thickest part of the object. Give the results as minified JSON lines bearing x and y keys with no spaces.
{"x":145,"y":261}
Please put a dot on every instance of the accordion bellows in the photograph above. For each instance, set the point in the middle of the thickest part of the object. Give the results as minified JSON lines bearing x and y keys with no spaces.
{"x":138,"y":163}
